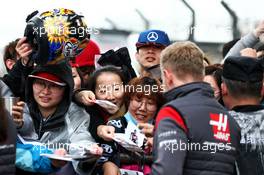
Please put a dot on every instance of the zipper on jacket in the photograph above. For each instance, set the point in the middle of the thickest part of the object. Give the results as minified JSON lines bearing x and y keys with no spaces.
{"x":40,"y":128}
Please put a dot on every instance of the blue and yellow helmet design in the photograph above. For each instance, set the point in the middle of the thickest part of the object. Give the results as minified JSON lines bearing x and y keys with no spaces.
{"x":56,"y":35}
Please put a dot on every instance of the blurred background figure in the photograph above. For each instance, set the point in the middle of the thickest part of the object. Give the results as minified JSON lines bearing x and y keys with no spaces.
{"x":254,"y":39}
{"x":7,"y":143}
{"x":213,"y":76}
{"x":10,"y":55}
{"x":85,"y":60}
{"x":76,"y":75}
{"x":227,"y":46}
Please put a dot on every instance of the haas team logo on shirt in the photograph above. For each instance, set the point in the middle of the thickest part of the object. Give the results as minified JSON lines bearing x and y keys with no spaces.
{"x":220,"y":126}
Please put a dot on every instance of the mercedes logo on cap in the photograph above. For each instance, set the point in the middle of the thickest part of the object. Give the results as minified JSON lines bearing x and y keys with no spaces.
{"x":152,"y":36}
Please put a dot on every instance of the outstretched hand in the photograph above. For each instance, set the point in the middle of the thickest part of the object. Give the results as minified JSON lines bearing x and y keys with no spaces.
{"x":86,"y":97}
{"x":59,"y":163}
{"x":106,"y":132}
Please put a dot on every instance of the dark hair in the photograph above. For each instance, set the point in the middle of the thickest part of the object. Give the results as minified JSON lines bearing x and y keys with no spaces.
{"x":227,"y":46}
{"x":98,"y":72}
{"x":80,"y":75}
{"x":3,"y":122}
{"x":86,"y":69}
{"x":260,"y":48}
{"x":10,"y":51}
{"x":151,"y":92}
{"x":216,"y":70}
{"x":207,"y":60}
{"x":239,"y":89}
{"x":151,"y":45}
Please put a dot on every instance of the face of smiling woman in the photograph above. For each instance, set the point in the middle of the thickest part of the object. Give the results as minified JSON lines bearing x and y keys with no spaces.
{"x":109,"y":86}
{"x":142,"y":109}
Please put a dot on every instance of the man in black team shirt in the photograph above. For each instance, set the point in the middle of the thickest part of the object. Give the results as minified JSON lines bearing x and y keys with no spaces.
{"x":194,"y":134}
{"x":242,"y":87}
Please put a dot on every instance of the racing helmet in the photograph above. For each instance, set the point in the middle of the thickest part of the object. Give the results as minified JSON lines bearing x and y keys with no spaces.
{"x":56,"y":35}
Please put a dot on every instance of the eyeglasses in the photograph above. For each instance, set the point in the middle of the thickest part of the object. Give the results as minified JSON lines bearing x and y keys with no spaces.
{"x":42,"y":84}
{"x":149,"y":104}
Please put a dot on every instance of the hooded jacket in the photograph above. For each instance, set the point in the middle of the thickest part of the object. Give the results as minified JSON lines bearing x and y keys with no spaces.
{"x":4,"y":90}
{"x":67,"y":125}
{"x":63,"y":71}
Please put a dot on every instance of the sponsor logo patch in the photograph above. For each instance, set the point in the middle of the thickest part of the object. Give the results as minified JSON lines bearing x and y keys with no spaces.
{"x":220,"y":126}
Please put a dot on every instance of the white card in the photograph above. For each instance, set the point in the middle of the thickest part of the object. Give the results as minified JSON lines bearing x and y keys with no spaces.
{"x":130,"y":172}
{"x":109,"y":106}
{"x":134,"y":134}
{"x":123,"y":140}
{"x":66,"y":157}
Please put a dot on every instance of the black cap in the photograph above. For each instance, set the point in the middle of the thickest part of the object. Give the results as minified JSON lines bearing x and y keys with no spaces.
{"x":245,"y":69}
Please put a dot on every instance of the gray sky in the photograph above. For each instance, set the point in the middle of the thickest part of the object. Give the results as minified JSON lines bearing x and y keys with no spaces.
{"x":213,"y":22}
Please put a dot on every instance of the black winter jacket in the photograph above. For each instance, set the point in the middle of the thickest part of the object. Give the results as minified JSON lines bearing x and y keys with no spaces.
{"x":194,"y":134}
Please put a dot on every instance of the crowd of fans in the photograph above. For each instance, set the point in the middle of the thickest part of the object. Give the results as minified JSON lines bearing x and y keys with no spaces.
{"x":196,"y":117}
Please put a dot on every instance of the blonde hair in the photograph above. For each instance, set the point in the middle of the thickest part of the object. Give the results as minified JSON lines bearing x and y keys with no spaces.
{"x":184,"y":59}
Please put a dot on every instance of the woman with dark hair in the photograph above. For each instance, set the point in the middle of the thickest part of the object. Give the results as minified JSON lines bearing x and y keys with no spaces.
{"x":143,"y":99}
{"x":76,"y":75}
{"x":213,"y":76}
{"x":105,"y":84}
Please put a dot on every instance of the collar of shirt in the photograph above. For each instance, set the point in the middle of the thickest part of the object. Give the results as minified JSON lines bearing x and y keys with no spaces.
{"x":130,"y":118}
